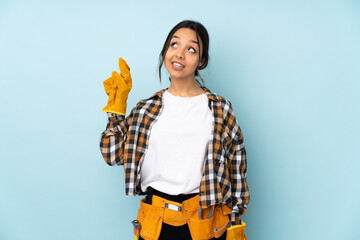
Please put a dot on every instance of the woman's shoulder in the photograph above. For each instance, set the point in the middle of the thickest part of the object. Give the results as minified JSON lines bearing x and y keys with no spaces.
{"x":225,"y":104}
{"x":223,"y":101}
{"x":150,"y":101}
{"x":154,"y":96}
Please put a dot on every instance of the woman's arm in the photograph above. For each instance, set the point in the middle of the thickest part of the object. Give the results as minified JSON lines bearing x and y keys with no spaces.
{"x":239,"y":187}
{"x":237,"y":168}
{"x":112,"y":139}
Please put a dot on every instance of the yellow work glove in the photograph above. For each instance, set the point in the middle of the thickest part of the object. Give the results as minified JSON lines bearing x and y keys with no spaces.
{"x":117,"y":87}
{"x":236,"y":232}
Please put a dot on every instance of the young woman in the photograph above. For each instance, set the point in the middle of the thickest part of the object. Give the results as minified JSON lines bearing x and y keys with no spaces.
{"x":182,"y":147}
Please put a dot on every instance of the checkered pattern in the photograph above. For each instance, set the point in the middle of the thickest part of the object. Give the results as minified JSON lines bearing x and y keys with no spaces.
{"x":125,"y":141}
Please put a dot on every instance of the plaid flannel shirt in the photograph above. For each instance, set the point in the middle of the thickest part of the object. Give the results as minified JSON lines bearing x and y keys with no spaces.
{"x":125,"y":141}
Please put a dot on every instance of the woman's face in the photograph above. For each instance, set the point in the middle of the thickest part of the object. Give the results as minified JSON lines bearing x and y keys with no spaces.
{"x":182,"y":56}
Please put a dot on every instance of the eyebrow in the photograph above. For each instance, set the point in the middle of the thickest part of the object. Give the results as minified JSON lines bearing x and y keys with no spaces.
{"x":174,"y":36}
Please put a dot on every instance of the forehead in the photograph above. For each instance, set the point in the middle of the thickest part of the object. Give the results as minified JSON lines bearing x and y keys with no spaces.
{"x":185,"y":34}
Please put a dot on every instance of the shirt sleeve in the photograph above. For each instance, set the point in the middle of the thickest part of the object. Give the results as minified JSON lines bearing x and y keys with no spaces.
{"x":112,"y":139}
{"x":237,"y":169}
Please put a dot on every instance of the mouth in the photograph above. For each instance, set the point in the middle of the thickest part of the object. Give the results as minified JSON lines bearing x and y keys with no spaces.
{"x":177,"y":64}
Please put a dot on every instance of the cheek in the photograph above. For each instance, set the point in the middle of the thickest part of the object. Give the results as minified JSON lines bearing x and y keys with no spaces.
{"x":167,"y":61}
{"x":167,"y":57}
{"x":195,"y":62}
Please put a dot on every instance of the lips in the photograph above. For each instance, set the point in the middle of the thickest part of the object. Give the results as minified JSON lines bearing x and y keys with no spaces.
{"x":177,"y":64}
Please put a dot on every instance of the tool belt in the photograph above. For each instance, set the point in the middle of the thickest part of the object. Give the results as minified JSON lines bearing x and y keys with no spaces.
{"x":213,"y":221}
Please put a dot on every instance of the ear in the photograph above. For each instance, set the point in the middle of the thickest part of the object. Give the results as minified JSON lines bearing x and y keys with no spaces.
{"x":201,"y":62}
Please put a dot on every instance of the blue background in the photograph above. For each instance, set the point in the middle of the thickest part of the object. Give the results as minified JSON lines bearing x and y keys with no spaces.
{"x":290,"y":69}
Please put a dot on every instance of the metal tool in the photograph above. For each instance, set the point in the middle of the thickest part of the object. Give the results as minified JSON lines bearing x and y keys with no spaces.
{"x":137,"y":227}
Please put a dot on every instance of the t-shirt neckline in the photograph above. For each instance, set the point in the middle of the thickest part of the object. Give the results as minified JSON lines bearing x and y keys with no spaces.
{"x":184,"y":97}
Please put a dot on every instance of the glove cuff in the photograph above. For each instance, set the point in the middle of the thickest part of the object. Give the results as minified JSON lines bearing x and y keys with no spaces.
{"x":236,"y":232}
{"x":116,"y":109}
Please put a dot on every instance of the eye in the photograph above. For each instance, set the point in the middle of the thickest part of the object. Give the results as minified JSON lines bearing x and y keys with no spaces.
{"x":172,"y":44}
{"x":194,"y":51}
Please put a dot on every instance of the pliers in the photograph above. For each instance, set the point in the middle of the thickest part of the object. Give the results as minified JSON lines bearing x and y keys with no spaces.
{"x":212,"y":208}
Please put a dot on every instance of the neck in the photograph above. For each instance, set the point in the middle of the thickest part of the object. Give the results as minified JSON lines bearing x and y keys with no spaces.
{"x":185,"y":87}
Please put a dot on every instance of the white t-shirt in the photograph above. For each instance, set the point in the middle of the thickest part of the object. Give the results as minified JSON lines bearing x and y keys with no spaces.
{"x":174,"y":161}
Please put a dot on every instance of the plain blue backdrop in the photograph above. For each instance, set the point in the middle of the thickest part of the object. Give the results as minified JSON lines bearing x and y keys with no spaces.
{"x":290,"y":69}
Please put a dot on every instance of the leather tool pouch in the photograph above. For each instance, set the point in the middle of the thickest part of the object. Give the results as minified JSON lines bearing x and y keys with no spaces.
{"x":211,"y":227}
{"x":150,"y":218}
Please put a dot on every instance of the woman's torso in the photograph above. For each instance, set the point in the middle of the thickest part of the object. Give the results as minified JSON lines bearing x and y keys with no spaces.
{"x":174,"y":162}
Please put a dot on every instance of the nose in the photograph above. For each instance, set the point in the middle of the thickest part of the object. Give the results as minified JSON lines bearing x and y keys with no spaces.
{"x":180,"y":53}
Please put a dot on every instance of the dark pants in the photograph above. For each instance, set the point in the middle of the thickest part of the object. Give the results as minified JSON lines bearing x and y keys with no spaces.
{"x":169,"y":232}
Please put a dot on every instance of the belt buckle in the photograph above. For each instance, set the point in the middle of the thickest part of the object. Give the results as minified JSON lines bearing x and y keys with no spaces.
{"x":173,"y":207}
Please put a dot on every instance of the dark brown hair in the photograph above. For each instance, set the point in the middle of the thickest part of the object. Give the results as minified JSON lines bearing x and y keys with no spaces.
{"x":201,"y":32}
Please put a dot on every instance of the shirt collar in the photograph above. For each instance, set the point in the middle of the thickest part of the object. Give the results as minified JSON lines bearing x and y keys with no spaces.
{"x":209,"y":93}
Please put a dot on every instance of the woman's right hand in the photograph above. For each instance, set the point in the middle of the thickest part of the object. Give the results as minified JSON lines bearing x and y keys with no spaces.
{"x":117,"y":87}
